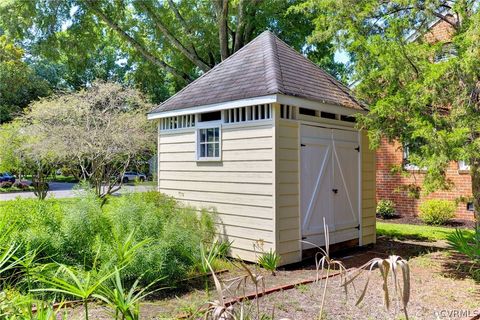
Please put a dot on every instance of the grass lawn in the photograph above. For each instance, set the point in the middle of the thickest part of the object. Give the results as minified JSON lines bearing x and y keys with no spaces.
{"x":415,"y":232}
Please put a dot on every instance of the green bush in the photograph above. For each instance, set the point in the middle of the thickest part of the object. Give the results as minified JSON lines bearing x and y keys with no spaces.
{"x":386,"y":209}
{"x":82,"y":232}
{"x":437,"y":211}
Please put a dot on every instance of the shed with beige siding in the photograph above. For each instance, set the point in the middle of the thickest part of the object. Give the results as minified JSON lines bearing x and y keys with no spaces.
{"x":267,"y":140}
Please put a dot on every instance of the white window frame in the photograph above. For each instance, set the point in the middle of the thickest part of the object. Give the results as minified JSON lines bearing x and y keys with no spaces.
{"x":463,"y":166}
{"x":408,"y":166}
{"x":203,"y":126}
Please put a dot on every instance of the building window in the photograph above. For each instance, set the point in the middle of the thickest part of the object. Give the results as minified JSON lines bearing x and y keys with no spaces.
{"x":208,"y":144}
{"x":447,"y":51}
{"x":407,"y":164}
{"x":247,"y":114}
{"x":463,"y":166}
{"x":210,"y":116}
{"x":286,"y":111}
{"x":348,"y":118}
{"x":328,"y":115}
{"x":307,"y":112}
{"x":177,"y":122}
{"x":470,"y":206}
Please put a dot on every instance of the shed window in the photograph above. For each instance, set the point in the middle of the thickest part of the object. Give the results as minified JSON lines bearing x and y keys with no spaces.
{"x":286,"y":111}
{"x":250,"y":113}
{"x":347,"y":118}
{"x":208,"y":143}
{"x":307,"y":112}
{"x":210,"y":116}
{"x":328,"y":115}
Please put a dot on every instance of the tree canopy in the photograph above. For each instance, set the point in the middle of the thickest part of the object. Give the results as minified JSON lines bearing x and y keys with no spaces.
{"x":427,"y":103}
{"x":158,"y":46}
{"x":101,"y":130}
{"x":98,"y":132}
{"x":19,"y":84}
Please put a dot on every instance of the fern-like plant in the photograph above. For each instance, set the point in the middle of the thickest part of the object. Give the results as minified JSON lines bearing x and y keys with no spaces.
{"x":75,"y":282}
{"x":124,"y":302}
{"x":466,"y":243}
{"x":269,"y":261}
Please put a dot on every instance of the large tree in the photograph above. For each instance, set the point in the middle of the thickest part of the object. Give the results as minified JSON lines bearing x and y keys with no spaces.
{"x":157,"y":45}
{"x":429,"y":104}
{"x":19,"y":84}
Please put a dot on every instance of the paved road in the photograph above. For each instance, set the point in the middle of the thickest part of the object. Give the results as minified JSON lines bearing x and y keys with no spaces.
{"x":67,"y":190}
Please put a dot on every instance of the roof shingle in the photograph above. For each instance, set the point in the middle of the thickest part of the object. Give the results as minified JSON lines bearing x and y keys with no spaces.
{"x":265,"y":66}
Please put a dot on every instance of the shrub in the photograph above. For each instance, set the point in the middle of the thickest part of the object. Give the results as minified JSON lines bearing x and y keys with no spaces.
{"x":34,"y":224}
{"x":176,"y":234}
{"x":386,"y":209}
{"x":5,"y":184}
{"x":437,"y":211}
{"x":79,"y":232}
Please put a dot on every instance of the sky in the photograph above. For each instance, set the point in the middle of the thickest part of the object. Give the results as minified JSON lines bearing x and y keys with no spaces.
{"x":341,"y":56}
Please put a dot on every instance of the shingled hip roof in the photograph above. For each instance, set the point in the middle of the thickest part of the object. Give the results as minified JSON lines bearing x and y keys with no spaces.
{"x":265,"y":66}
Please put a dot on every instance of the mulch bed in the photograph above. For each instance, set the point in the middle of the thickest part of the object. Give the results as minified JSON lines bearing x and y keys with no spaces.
{"x":440,"y":281}
{"x":454,"y":223}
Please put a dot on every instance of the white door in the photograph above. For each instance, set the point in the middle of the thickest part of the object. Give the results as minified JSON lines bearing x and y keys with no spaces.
{"x":316,"y":181}
{"x":329,"y":184}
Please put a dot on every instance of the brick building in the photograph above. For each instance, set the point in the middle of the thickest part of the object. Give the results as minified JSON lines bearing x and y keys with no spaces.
{"x":392,"y":186}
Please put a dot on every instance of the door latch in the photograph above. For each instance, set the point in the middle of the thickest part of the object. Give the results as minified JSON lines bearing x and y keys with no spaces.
{"x":357,"y":227}
{"x":303,"y":145}
{"x":335,"y":191}
{"x":358,"y":148}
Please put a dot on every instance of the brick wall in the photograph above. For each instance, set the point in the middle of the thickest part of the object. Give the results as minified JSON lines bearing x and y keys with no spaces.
{"x":389,"y":186}
{"x":440,"y":31}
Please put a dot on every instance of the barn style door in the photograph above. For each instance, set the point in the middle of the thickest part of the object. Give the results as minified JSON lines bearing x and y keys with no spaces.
{"x":329,"y":184}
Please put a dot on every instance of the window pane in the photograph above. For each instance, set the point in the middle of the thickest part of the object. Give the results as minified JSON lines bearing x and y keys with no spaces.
{"x":202,"y":150}
{"x":210,"y":134}
{"x":217,"y":133}
{"x":210,"y":147}
{"x":203,"y":135}
{"x":217,"y":150}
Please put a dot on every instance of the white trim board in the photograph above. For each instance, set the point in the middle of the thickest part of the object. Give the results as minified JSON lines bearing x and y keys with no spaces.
{"x":275,"y":98}
{"x":214,"y":107}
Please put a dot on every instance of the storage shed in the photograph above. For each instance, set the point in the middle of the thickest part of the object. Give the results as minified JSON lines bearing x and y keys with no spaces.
{"x":268,"y":140}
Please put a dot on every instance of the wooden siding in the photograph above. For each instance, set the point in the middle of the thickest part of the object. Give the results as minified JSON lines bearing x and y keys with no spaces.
{"x":368,"y":192}
{"x":287,"y":184}
{"x":240,"y":188}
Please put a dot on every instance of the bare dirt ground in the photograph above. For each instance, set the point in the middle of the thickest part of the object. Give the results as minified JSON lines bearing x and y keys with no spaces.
{"x":441,"y":288}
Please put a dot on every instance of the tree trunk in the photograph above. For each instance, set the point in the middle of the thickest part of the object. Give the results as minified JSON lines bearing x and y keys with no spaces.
{"x":475,"y":177}
{"x":239,"y":33}
{"x":222,"y":22}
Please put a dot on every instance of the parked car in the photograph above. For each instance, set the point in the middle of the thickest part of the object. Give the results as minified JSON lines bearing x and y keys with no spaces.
{"x":133,"y":176}
{"x":5,"y":176}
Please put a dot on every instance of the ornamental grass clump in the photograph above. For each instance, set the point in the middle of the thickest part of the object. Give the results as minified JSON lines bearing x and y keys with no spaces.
{"x":393,"y":267}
